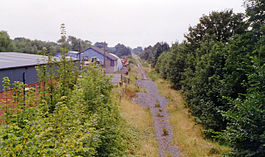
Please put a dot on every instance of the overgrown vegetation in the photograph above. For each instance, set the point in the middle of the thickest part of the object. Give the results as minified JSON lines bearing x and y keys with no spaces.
{"x":141,"y":140}
{"x":151,"y":53}
{"x":187,"y":135}
{"x":220,"y":68}
{"x":73,"y":115}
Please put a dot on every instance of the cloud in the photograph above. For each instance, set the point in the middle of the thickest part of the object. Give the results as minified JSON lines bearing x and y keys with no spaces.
{"x":133,"y":22}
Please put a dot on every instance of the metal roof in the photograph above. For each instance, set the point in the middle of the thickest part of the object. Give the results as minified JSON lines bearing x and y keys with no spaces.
{"x":74,"y":52}
{"x":101,"y":52}
{"x":15,"y":60}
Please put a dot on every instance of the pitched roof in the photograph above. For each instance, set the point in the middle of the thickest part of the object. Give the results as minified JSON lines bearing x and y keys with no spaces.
{"x":101,"y":52}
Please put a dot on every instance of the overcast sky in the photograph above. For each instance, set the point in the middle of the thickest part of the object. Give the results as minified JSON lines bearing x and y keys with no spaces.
{"x":131,"y":22}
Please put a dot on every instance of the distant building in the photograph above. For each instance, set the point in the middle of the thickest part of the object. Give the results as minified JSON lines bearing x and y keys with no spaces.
{"x":119,"y":62}
{"x":72,"y":54}
{"x":113,"y":62}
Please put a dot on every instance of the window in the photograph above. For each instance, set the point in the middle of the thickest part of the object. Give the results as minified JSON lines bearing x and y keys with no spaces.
{"x":112,"y":63}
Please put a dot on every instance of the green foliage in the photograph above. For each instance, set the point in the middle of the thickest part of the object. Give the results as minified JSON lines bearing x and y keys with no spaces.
{"x":171,"y":65}
{"x":223,"y":86}
{"x":153,"y":75}
{"x":85,"y":122}
{"x":255,"y":12}
{"x":152,"y":53}
{"x":21,"y":44}
{"x":137,"y":50}
{"x":32,"y":46}
{"x":6,"y":44}
{"x":220,"y":26}
{"x":74,"y":114}
{"x":119,"y":50}
{"x":132,"y":61}
{"x":246,"y":130}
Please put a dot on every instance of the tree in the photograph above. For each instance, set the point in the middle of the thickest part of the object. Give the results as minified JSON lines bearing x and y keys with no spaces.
{"x":6,"y":43}
{"x":151,"y":53}
{"x":33,"y":46}
{"x":101,"y":45}
{"x":171,"y":65}
{"x":121,"y":50}
{"x":137,"y":50}
{"x":77,"y":44}
{"x":246,"y":130}
{"x":219,"y":25}
{"x":255,"y":12}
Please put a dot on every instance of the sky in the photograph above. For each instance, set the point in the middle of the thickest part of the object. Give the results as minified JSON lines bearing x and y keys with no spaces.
{"x":130,"y":22}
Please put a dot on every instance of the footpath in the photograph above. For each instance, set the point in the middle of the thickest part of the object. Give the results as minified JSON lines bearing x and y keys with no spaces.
{"x":157,"y":105}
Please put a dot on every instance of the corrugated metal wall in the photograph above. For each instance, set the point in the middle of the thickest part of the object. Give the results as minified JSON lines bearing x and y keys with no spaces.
{"x":16,"y":74}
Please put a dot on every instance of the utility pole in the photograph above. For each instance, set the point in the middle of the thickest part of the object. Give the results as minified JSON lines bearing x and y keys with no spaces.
{"x":105,"y":55}
{"x":79,"y":55}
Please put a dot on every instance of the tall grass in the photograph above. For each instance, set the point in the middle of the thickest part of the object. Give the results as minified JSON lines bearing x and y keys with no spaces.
{"x":141,"y":123}
{"x":138,"y":118}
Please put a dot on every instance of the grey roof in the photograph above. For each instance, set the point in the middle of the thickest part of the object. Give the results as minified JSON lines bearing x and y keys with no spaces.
{"x":102,"y":52}
{"x":76,"y":52}
{"x":15,"y":60}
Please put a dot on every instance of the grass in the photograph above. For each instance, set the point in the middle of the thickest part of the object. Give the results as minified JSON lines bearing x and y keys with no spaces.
{"x":139,"y":120}
{"x":187,"y":135}
{"x":132,"y":60}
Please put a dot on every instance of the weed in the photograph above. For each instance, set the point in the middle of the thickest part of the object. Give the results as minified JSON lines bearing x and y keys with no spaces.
{"x":214,"y":151}
{"x":168,"y":154}
{"x":159,"y":114}
{"x":157,"y":104}
{"x":165,"y":132}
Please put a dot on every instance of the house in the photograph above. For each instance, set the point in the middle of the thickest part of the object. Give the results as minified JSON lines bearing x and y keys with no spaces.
{"x":113,"y":62}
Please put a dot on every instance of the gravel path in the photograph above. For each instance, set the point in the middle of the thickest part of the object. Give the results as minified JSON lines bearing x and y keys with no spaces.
{"x":163,"y":129}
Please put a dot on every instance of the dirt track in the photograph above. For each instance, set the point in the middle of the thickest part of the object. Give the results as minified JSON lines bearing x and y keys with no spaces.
{"x":151,"y":99}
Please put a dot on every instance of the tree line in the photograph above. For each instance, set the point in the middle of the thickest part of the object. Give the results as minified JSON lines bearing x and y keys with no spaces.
{"x":119,"y":49}
{"x":220,"y":67}
{"x":24,"y":45}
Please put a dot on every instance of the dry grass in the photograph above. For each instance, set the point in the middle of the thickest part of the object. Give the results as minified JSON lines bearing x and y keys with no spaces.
{"x":187,"y":135}
{"x":141,"y":120}
{"x":133,"y":73}
{"x":138,"y":118}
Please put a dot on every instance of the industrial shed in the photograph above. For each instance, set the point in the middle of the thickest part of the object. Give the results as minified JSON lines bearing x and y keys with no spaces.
{"x":112,"y":61}
{"x":20,"y":67}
